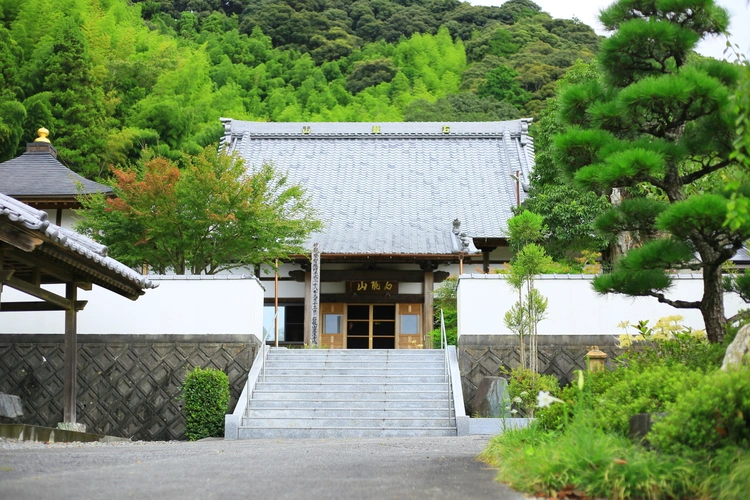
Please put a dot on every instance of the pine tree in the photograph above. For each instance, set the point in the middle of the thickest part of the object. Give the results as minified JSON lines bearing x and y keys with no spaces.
{"x":657,"y":130}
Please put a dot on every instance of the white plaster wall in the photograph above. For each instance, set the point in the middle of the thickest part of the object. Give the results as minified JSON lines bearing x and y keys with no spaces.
{"x":68,"y":218}
{"x":574,"y":307}
{"x":180,"y":305}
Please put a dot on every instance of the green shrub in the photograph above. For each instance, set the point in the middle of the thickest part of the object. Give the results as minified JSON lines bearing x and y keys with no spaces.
{"x":646,"y":391}
{"x":595,"y":384}
{"x":524,"y":386}
{"x":206,"y":395}
{"x":713,"y":414}
{"x":668,"y":343}
{"x":588,"y":459}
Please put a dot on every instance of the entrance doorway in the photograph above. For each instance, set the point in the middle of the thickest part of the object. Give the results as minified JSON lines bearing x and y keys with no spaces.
{"x":371,"y":326}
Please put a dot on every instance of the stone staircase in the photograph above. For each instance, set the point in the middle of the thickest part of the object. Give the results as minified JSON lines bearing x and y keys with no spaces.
{"x":326,"y":393}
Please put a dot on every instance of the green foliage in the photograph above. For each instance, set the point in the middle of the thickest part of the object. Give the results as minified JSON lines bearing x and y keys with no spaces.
{"x":206,"y":396}
{"x":567,"y":210}
{"x":655,"y":126}
{"x":524,"y":386}
{"x":700,"y":449}
{"x":209,"y":216}
{"x":445,"y":299}
{"x":587,"y":459}
{"x":713,"y":414}
{"x":526,"y":227}
{"x":110,"y":78}
{"x":645,"y":391}
{"x":669,"y":343}
{"x":500,"y":83}
{"x":738,"y":208}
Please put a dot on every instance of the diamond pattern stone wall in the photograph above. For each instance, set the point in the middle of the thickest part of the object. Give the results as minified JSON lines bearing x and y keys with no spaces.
{"x":128,"y":385}
{"x":560,"y":355}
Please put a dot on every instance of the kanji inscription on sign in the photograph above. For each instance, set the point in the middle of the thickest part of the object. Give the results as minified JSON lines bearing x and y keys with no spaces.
{"x":372,"y":287}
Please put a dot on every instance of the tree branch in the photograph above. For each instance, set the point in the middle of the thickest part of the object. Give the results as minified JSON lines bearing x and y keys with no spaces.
{"x":679,"y":304}
{"x":687,"y":179}
{"x":742,"y":315}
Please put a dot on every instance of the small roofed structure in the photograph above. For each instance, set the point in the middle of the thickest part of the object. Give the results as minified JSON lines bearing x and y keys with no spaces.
{"x":35,"y":252}
{"x":39,"y":179}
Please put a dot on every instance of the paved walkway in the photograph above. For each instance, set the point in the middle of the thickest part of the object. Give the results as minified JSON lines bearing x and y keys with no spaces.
{"x":413,"y":468}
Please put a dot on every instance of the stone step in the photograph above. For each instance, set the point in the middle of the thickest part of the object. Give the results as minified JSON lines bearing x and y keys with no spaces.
{"x":359,"y":357}
{"x":348,"y":423}
{"x":373,"y":396}
{"x":344,"y":379}
{"x":361,"y":365}
{"x":336,"y":432}
{"x":373,"y":386}
{"x":356,"y":352}
{"x":353,"y":372}
{"x":386,"y":404}
{"x":326,"y":412}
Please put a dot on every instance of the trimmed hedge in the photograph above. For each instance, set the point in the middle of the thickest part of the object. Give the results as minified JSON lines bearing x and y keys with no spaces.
{"x":206,"y":395}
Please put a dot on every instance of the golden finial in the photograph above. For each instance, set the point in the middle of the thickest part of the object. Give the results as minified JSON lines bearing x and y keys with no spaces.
{"x":43,"y":133}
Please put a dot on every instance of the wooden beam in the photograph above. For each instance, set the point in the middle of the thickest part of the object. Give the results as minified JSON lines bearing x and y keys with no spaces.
{"x":336,"y":275}
{"x":44,"y":265}
{"x":19,"y":239}
{"x":40,"y":293}
{"x":396,"y":298}
{"x":70,"y":363}
{"x":37,"y":306}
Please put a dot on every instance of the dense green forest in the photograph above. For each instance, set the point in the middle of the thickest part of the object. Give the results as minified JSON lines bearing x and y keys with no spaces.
{"x":108,"y":77}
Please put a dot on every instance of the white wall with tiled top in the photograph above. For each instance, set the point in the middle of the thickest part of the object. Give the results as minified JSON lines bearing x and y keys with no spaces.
{"x":180,"y":305}
{"x":574,"y":307}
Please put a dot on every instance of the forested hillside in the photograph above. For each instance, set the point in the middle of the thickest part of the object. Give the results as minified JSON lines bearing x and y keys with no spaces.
{"x":108,"y":77}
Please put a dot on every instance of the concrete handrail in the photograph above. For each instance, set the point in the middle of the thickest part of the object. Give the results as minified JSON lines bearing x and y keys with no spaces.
{"x":233,"y":420}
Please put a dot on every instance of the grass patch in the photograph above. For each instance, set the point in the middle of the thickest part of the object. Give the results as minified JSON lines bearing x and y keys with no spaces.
{"x":580,"y":446}
{"x":588,"y":459}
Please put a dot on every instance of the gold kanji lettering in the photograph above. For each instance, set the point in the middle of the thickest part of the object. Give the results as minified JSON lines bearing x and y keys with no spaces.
{"x":361,"y":286}
{"x":375,"y":285}
{"x":388,"y":285}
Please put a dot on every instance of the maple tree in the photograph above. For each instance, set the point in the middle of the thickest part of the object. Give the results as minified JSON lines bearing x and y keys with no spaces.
{"x":210,"y":215}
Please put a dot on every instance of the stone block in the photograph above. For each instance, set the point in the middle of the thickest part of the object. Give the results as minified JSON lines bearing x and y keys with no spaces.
{"x":492,"y":398}
{"x":70,"y":426}
{"x":11,"y":408}
{"x":640,"y":425}
{"x":738,"y":350}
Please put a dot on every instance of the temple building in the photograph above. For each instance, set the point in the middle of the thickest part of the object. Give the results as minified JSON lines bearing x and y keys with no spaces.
{"x":403,"y":206}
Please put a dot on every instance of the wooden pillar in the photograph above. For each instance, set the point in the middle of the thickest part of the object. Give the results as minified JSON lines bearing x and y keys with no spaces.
{"x":486,"y":261}
{"x":70,"y":368}
{"x":428,"y":313}
{"x":2,"y":276}
{"x":308,"y":305}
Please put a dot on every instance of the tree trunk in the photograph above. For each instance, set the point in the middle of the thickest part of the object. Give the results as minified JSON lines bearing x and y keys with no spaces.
{"x":712,"y":304}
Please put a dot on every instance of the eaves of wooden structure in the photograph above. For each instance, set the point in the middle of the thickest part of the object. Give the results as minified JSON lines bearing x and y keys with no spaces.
{"x":35,"y":252}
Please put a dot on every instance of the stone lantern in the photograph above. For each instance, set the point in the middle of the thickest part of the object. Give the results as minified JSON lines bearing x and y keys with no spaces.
{"x":596,"y":359}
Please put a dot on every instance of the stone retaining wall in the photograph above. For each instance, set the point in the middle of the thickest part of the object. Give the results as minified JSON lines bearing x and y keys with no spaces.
{"x":560,"y":355}
{"x":128,"y":385}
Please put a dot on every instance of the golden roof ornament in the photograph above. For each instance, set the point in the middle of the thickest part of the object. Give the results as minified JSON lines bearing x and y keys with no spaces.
{"x":43,"y":133}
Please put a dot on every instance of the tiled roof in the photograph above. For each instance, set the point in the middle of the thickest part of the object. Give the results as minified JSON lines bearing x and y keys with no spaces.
{"x":396,"y":190}
{"x":40,"y":174}
{"x":742,"y":255}
{"x":37,"y":220}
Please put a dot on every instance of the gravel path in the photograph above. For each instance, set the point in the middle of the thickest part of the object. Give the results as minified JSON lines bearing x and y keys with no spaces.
{"x":419,"y":468}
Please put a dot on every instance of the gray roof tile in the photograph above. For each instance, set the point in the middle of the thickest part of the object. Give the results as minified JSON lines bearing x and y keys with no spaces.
{"x":37,"y":220}
{"x":399,"y":191}
{"x":40,"y":174}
